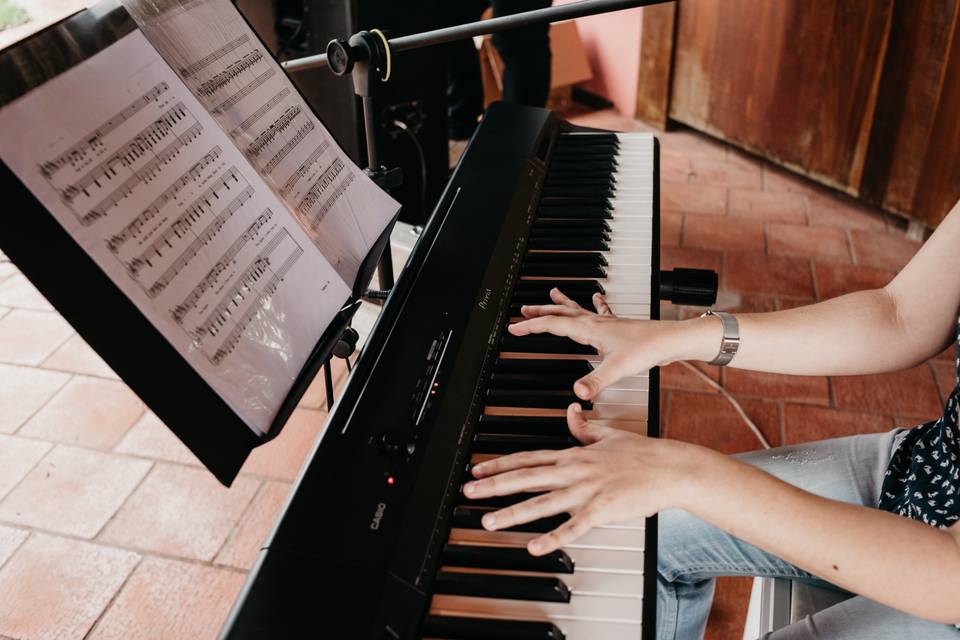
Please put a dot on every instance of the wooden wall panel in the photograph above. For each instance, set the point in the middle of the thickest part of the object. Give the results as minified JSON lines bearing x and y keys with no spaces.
{"x":911,"y":136}
{"x":656,"y":64}
{"x":793,"y":80}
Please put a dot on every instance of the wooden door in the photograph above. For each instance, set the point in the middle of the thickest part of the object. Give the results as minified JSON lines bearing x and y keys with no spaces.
{"x":861,"y":95}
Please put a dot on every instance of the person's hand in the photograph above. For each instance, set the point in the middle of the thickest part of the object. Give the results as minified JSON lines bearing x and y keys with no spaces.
{"x":626,"y":346}
{"x":617,"y":476}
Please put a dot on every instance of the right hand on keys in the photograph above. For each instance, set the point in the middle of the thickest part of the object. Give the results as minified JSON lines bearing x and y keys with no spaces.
{"x":626,"y":346}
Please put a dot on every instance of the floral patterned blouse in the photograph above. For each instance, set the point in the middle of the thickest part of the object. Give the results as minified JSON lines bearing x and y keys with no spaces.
{"x":923,"y":477}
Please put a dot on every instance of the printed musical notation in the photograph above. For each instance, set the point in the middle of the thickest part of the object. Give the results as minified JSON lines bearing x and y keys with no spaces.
{"x":325,"y":180}
{"x":277,"y":127}
{"x":134,"y":229}
{"x":335,"y":195}
{"x":290,"y":145}
{"x":209,"y":88}
{"x":225,"y":262}
{"x":254,"y":117}
{"x":304,"y":168}
{"x":204,"y":206}
{"x":152,"y":187}
{"x":251,"y":290}
{"x":89,"y":144}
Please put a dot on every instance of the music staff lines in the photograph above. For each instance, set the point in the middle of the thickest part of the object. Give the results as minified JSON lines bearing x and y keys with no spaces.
{"x":219,"y":80}
{"x":252,"y":119}
{"x":221,"y":314}
{"x":245,"y":91}
{"x":192,"y":174}
{"x":214,"y":56}
{"x":198,"y":243}
{"x":138,"y":146}
{"x":291,"y":144}
{"x":190,"y":302}
{"x":78,"y":152}
{"x":334,"y":196}
{"x":304,"y":168}
{"x":316,"y":190}
{"x":228,"y":345}
{"x":277,"y":127}
{"x":145,"y":174}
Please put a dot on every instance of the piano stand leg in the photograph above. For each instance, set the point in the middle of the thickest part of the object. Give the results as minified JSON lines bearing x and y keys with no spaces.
{"x":328,"y":383}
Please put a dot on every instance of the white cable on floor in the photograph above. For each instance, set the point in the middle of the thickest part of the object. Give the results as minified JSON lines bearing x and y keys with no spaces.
{"x":732,"y":401}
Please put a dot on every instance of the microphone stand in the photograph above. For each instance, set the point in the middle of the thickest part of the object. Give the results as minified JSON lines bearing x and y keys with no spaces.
{"x":368,"y":57}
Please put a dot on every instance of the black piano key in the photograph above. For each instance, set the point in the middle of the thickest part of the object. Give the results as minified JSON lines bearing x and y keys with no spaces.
{"x":590,"y":257}
{"x":575,"y":368}
{"x":574,"y":286}
{"x":570,"y":223}
{"x":596,"y":178}
{"x":508,"y":587}
{"x":582,"y":211}
{"x":587,"y":137}
{"x":563,"y":190}
{"x":493,"y":502}
{"x":506,"y":443}
{"x":587,"y":164}
{"x":540,"y":398}
{"x":562,"y":270}
{"x":534,"y":425}
{"x":575,"y":232}
{"x":574,"y":201}
{"x":544,"y":343}
{"x":568,"y":244}
{"x":510,"y":558}
{"x":532,"y":380}
{"x":542,"y":297}
{"x":468,"y":628}
{"x":469,"y":518}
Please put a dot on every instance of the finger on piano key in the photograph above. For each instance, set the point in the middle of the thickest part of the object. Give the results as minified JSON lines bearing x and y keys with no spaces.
{"x":600,"y":411}
{"x":600,"y":549}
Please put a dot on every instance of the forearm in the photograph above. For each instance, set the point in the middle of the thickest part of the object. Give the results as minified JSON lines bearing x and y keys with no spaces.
{"x":893,"y":560}
{"x":853,"y":334}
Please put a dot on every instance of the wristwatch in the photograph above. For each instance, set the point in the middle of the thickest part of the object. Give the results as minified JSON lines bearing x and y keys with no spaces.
{"x":731,"y":337}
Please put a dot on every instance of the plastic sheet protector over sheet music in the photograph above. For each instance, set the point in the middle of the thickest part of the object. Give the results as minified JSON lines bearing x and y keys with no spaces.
{"x":134,"y":167}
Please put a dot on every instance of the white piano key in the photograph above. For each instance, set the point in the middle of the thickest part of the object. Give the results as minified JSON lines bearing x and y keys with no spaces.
{"x":580,"y":607}
{"x":581,"y":582}
{"x":625,"y":540}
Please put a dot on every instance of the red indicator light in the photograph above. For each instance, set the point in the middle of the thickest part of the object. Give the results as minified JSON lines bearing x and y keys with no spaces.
{"x":391,"y":480}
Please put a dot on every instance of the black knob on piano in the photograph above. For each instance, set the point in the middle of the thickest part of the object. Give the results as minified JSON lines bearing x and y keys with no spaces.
{"x":689,"y":286}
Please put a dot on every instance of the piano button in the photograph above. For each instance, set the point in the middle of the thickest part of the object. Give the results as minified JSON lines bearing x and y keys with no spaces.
{"x":510,"y":587}
{"x":544,"y":343}
{"x":513,"y":442}
{"x":575,"y":368}
{"x":513,"y":558}
{"x":469,"y":518}
{"x":475,"y":628}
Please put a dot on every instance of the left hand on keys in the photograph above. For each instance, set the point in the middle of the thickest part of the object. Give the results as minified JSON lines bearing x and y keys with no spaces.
{"x":616,"y":476}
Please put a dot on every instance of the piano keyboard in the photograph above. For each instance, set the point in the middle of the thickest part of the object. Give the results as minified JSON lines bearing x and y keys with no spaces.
{"x":592,"y":234}
{"x":377,"y":541}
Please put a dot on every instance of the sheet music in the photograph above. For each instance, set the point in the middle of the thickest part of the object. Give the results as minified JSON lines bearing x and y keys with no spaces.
{"x":141,"y":176}
{"x":220,"y":58}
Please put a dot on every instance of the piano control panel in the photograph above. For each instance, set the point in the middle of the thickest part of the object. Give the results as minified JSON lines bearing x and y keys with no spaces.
{"x":428,"y":385}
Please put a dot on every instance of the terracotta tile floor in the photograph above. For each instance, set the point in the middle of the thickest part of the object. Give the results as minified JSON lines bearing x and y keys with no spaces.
{"x":109,"y":529}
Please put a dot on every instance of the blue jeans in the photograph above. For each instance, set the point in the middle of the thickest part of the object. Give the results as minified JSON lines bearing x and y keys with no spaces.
{"x":691,"y":553}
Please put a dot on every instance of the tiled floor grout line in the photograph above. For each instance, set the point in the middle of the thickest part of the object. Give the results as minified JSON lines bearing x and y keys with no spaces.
{"x":113,"y":599}
{"x":40,"y":408}
{"x":103,"y":527}
{"x":16,"y":549}
{"x":240,"y":519}
{"x":10,"y":491}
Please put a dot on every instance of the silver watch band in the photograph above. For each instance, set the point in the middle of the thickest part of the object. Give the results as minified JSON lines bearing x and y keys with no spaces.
{"x":731,"y":337}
